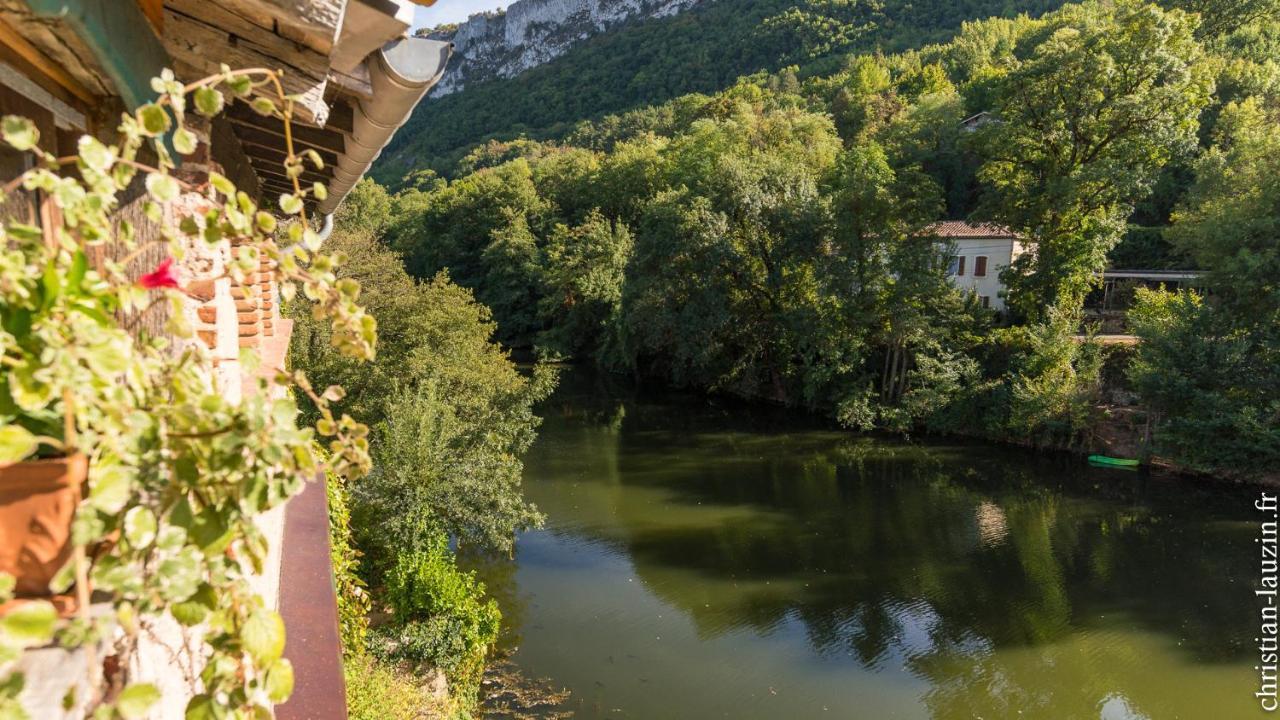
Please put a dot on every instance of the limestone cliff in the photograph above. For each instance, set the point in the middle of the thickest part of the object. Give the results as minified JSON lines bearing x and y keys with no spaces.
{"x":531,"y":32}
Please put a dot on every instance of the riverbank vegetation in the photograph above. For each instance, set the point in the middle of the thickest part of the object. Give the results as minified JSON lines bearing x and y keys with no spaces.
{"x":450,"y":416}
{"x":770,"y":240}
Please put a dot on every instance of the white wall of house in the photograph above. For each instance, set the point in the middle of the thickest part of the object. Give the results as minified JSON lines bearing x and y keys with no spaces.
{"x":967,"y":271}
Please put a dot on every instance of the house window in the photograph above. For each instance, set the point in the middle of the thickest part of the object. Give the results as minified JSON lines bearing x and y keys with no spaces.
{"x":953,"y":265}
{"x":960,"y":265}
{"x":986,"y":300}
{"x":980,"y":266}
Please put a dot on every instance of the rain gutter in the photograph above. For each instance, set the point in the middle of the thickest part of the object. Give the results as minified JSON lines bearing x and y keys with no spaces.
{"x":401,"y":73}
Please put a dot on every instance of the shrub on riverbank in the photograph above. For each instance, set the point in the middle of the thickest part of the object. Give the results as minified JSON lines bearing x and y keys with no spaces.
{"x":442,"y":618}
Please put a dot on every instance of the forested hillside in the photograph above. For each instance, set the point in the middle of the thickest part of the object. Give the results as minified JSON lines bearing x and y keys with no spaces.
{"x":701,"y":50}
{"x":767,"y":240}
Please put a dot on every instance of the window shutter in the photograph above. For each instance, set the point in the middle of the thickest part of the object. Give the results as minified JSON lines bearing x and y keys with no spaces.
{"x":980,"y":266}
{"x":960,"y":267}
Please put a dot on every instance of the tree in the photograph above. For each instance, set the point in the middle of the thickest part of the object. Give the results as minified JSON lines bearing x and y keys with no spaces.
{"x":1211,"y":366}
{"x":1229,"y":221}
{"x":1212,"y":387}
{"x":1096,"y":102}
{"x":1222,"y":17}
{"x":899,"y":315}
{"x":452,"y":414}
{"x":583,"y":285}
{"x":367,"y":208}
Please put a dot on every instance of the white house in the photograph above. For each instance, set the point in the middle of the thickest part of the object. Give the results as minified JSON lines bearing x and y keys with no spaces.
{"x":980,"y":253}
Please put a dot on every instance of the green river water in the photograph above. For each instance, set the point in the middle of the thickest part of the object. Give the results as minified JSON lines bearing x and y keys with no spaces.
{"x":708,"y":559}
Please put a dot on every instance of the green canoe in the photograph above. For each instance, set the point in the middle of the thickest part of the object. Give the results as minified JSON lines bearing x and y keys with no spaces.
{"x":1113,"y":462}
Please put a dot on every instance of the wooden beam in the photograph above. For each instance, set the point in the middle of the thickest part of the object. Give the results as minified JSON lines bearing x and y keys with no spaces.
{"x":354,"y":82}
{"x":255,"y":143}
{"x":204,"y":42}
{"x":255,"y":140}
{"x":341,"y":117}
{"x":44,"y":67}
{"x":154,"y":10}
{"x":263,"y":167}
{"x":314,"y":23}
{"x":61,"y":55}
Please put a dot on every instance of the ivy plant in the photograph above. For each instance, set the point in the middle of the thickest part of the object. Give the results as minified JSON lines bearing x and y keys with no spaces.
{"x":179,"y":473}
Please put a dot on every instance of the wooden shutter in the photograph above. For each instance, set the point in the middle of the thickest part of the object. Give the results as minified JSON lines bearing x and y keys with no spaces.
{"x":960,"y":267}
{"x":980,"y":266}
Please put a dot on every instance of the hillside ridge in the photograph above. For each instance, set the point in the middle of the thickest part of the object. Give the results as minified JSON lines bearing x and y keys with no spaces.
{"x":529,"y":33}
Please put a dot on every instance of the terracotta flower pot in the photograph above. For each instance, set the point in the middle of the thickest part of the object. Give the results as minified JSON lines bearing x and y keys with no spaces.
{"x":38,"y":500}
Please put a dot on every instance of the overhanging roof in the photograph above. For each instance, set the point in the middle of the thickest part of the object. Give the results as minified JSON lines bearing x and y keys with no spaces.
{"x":354,"y":73}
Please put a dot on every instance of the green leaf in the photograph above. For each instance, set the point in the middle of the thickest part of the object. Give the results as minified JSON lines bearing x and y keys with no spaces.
{"x":290,"y":204}
{"x":162,"y":187}
{"x":140,"y":527}
{"x":263,"y":635}
{"x":263,"y":106}
{"x":314,"y":157}
{"x":109,"y":488}
{"x":185,"y":141}
{"x":20,"y":133}
{"x":280,"y":681}
{"x":153,"y":119}
{"x":75,"y":276}
{"x":32,"y":623}
{"x":208,"y":102}
{"x":204,"y":707}
{"x":94,"y":154}
{"x":134,"y":701}
{"x":189,"y":613}
{"x":266,"y":222}
{"x":180,"y":575}
{"x":222,"y":184}
{"x":240,"y":85}
{"x":16,"y":444}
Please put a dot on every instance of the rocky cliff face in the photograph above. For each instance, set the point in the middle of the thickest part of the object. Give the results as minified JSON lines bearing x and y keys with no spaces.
{"x":531,"y":32}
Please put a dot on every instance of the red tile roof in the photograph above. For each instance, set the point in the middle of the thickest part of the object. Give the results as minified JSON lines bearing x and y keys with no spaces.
{"x":964,"y":229}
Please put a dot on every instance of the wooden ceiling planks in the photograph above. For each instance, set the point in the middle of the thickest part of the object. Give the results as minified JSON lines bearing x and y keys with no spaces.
{"x":262,"y":139}
{"x":202,"y":36}
{"x":334,"y":142}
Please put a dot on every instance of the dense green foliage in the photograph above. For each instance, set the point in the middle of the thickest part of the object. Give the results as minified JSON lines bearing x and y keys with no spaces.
{"x":353,"y":598}
{"x":704,"y":49}
{"x":451,"y":416}
{"x":451,"y":413}
{"x":1211,"y":366}
{"x":441,"y":619}
{"x":1095,"y":104}
{"x":770,"y":240}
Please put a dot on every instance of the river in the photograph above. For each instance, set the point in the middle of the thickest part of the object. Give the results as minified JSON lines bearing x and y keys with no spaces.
{"x":709,"y":559}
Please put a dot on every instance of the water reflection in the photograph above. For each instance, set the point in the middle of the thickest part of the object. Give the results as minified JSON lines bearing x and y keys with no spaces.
{"x":706,"y":560}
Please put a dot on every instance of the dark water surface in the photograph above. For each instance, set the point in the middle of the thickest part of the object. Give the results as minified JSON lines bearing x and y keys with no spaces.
{"x":705,"y":559}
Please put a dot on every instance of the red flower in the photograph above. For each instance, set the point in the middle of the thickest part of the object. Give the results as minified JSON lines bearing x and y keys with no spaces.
{"x":164,"y":276}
